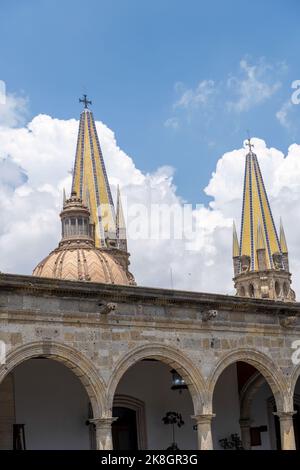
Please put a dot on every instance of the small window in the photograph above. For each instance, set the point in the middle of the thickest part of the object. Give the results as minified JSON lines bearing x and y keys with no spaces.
{"x":242,"y":291}
{"x":277,"y":288}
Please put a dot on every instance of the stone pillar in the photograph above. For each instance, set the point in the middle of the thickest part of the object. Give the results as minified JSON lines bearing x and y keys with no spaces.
{"x":204,"y":431}
{"x":103,"y":432}
{"x":245,"y":433}
{"x":286,"y":429}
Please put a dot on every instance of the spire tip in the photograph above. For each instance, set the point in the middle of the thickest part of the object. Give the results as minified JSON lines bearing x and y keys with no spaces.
{"x":85,"y":101}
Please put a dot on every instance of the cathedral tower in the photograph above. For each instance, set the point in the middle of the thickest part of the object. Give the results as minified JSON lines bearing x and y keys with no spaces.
{"x":260,"y":259}
{"x":93,"y":246}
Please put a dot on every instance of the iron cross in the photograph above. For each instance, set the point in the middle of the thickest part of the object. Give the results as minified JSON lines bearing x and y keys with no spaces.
{"x":85,"y":101}
{"x":249,"y":145}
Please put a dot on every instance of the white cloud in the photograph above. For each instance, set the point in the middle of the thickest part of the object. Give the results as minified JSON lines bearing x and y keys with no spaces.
{"x":254,"y":85}
{"x":2,"y":92}
{"x":195,"y":98}
{"x":13,"y":109}
{"x":282,"y":114}
{"x":42,"y":153}
{"x":172,"y":122}
{"x":288,"y":117}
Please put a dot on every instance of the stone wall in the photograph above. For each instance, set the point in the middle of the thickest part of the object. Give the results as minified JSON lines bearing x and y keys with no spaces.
{"x":99,"y":331}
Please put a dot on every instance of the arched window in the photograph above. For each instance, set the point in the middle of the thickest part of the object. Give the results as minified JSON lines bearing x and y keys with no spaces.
{"x":285,"y":289}
{"x":277,"y":288}
{"x":251,"y":290}
{"x":242,"y":291}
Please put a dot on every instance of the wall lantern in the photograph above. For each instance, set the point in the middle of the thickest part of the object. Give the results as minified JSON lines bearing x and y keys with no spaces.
{"x":178,"y":382}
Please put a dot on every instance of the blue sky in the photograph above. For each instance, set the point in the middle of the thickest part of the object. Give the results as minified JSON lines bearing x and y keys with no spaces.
{"x":178,"y":82}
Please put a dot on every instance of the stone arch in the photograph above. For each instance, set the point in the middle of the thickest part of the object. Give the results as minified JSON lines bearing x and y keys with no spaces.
{"x":74,"y":360}
{"x":248,"y":392}
{"x":242,"y":292}
{"x":263,"y":364}
{"x":285,"y":289}
{"x":170,"y":356}
{"x":295,"y":375}
{"x":251,"y":290}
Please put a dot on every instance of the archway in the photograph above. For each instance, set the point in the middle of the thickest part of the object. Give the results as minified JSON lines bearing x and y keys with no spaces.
{"x":295,"y":392}
{"x":242,"y":386}
{"x":47,"y":407}
{"x":165,"y":385}
{"x":48,"y":392}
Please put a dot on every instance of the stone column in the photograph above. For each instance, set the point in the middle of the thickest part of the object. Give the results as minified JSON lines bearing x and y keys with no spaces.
{"x":204,"y":431}
{"x":286,"y":429}
{"x":103,"y":432}
{"x":245,"y":433}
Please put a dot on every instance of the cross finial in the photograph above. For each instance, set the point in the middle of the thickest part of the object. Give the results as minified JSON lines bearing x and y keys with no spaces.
{"x":248,"y":143}
{"x":85,"y":101}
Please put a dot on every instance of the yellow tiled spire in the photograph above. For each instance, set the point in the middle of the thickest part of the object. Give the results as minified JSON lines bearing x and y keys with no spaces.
{"x":257,"y":213}
{"x":90,"y":178}
{"x":262,"y":268}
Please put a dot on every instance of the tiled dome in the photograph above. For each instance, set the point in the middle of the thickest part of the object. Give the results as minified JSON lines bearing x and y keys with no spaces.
{"x":77,"y":258}
{"x":82,"y":264}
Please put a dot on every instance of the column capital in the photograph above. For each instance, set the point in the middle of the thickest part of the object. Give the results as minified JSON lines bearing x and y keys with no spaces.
{"x":102,"y":422}
{"x":203,"y":418}
{"x":286,"y":429}
{"x":103,"y":432}
{"x":284,"y":415}
{"x":205,"y":441}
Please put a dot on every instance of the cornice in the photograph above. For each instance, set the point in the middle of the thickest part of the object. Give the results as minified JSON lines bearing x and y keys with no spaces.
{"x":31,"y":285}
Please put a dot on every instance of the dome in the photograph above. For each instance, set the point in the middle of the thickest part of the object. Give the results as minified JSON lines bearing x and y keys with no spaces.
{"x":77,"y":258}
{"x":82,"y":264}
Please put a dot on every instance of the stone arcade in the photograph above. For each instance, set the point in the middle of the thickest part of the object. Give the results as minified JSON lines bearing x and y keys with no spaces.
{"x":94,"y":361}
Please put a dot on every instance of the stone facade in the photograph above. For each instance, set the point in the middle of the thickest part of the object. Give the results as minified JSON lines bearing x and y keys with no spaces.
{"x":99,"y":331}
